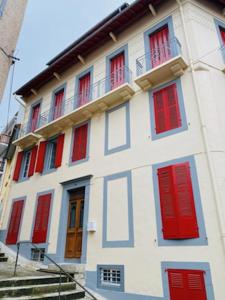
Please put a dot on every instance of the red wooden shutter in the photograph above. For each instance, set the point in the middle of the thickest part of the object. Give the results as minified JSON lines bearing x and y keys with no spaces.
{"x":222,"y":31}
{"x":80,"y":142}
{"x":186,"y":284}
{"x":19,"y":160}
{"x":59,"y":150}
{"x":160,"y":46}
{"x":34,"y":117}
{"x":58,"y":102}
{"x":168,"y":203}
{"x":117,"y":70}
{"x":15,"y":220}
{"x":166,"y":109}
{"x":41,"y":157}
{"x":41,"y":219}
{"x":84,"y":89}
{"x":32,"y":161}
{"x":188,"y":226}
{"x":177,"y":202}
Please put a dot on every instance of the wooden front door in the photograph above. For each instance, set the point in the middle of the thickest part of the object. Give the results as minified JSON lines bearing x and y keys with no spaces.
{"x":75,"y":225}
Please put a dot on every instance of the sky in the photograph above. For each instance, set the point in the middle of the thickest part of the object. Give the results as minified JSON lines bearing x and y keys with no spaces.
{"x":49,"y":26}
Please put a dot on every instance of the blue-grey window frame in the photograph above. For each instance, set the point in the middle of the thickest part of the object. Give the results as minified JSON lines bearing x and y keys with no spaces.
{"x":184,"y":126}
{"x":111,"y":287}
{"x":2,"y":7}
{"x":47,"y":170}
{"x":202,"y":239}
{"x":219,"y":24}
{"x":43,"y":245}
{"x":123,"y":49}
{"x":72,"y":163}
{"x":126,"y":243}
{"x":37,"y":102}
{"x":21,"y":178}
{"x":169,"y":22}
{"x":203,"y":266}
{"x":127,"y":144}
{"x":77,"y":81}
{"x":54,"y":92}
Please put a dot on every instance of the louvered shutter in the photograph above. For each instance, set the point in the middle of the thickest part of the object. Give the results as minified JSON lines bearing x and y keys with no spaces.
{"x":117,"y":70}
{"x":173,"y":111}
{"x":32,"y":161}
{"x":166,"y":109}
{"x":222,"y":31}
{"x":80,"y":143}
{"x":84,"y":89}
{"x":41,"y":219}
{"x":14,"y":223}
{"x":18,"y":165}
{"x":59,"y":150}
{"x":35,"y":117}
{"x":188,"y":227}
{"x":160,"y":47}
{"x":58,"y":104}
{"x":160,"y":112}
{"x":41,"y":157}
{"x":186,"y":284}
{"x":170,"y":226}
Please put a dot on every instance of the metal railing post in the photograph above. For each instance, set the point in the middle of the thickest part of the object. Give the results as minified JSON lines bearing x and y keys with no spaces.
{"x":17,"y":255}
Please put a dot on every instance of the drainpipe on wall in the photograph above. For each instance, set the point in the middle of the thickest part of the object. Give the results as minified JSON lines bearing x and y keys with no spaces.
{"x":204,"y":131}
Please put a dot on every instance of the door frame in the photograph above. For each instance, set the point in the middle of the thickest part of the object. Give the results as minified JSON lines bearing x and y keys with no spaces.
{"x":69,"y":186}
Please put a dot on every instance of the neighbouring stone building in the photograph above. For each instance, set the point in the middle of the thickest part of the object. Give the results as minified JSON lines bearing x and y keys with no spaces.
{"x":121,"y":158}
{"x":11,"y":17}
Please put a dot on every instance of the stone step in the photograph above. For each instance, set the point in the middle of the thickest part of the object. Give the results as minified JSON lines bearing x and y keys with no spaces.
{"x":35,"y":289}
{"x":54,"y":271}
{"x":3,"y":259}
{"x":17,"y":281}
{"x":67,"y":295}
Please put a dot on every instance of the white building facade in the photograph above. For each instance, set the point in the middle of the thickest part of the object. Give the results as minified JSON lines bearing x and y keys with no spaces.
{"x":120,"y":163}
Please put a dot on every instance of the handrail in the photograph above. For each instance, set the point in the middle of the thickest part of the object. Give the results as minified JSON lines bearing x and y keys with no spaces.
{"x":51,"y":260}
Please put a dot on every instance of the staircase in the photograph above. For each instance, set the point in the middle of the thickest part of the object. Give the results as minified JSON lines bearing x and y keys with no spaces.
{"x":39,"y":287}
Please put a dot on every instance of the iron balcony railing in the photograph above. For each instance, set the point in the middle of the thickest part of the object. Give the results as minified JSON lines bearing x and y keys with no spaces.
{"x":157,"y":56}
{"x":95,"y":91}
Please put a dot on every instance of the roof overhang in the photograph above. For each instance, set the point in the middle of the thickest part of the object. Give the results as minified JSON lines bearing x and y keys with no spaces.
{"x":116,"y":22}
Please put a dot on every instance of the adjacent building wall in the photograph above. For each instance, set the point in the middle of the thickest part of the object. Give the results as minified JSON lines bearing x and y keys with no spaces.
{"x":11,"y":17}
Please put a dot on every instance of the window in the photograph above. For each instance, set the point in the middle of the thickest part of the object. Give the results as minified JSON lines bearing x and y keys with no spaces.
{"x":186,"y":284}
{"x":42,"y":219}
{"x":117,"y":70}
{"x":14,"y":223}
{"x":111,"y":277}
{"x":80,"y":139}
{"x":160,"y":49}
{"x":84,"y":89}
{"x":49,"y":155}
{"x":34,"y":117}
{"x":177,"y":205}
{"x":37,"y":254}
{"x":222,"y":32}
{"x":26,"y":162}
{"x":166,"y":109}
{"x":58,"y":104}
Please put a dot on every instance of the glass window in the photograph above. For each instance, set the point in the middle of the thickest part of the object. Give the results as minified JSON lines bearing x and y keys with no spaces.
{"x":50,"y":155}
{"x":26,"y":163}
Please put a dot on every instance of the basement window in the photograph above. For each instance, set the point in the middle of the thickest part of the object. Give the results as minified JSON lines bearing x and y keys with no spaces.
{"x":111,"y":277}
{"x":37,"y":254}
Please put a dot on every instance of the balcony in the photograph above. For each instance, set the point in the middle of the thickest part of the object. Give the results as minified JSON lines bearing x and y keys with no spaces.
{"x":99,"y":97}
{"x":27,"y":137}
{"x":160,"y":65}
